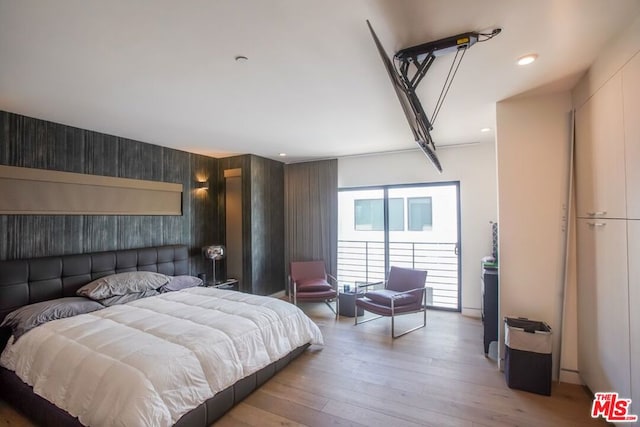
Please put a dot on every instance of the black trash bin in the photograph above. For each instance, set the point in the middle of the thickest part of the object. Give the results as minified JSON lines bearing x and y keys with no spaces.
{"x":527,"y":358}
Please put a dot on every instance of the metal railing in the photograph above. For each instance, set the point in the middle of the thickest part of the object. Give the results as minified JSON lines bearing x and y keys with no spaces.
{"x":365,"y":261}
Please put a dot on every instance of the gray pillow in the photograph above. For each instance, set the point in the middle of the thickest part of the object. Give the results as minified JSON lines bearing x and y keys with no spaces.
{"x":123,"y":299}
{"x":180,"y":282}
{"x":25,"y":318}
{"x":122,"y":284}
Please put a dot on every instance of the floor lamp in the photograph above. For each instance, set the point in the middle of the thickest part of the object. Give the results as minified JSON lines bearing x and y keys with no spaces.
{"x":214,"y":253}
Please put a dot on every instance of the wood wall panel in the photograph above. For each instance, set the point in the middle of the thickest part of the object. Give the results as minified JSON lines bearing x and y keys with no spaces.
{"x":101,"y":154}
{"x":139,"y":160}
{"x":42,"y":235}
{"x":176,"y":167}
{"x":243,"y":163}
{"x":43,"y":145}
{"x":267,"y":228}
{"x":262,"y":221}
{"x":139,"y":231}
{"x":203,"y":230}
{"x":4,"y":234}
{"x":33,"y":143}
{"x":100,"y":233}
{"x":59,"y":142}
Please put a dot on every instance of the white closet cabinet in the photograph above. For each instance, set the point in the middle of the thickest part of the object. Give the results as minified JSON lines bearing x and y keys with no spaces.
{"x":633,"y":239}
{"x":631,"y":96}
{"x":600,"y":154}
{"x":603,"y":307}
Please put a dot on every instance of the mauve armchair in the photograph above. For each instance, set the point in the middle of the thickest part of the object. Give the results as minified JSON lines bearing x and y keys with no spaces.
{"x":404,"y":293}
{"x":308,"y":281}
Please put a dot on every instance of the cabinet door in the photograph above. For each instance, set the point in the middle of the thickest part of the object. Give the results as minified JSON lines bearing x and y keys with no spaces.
{"x":631,"y":95}
{"x":600,"y":157}
{"x":603,"y":308}
{"x":633,"y":232}
{"x":585,"y":176}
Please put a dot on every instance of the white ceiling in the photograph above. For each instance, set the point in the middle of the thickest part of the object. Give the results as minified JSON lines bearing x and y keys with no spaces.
{"x":163,"y":71}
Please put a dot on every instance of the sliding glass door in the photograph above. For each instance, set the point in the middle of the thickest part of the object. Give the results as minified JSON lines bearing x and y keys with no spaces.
{"x":414,"y":226}
{"x":361,"y":231}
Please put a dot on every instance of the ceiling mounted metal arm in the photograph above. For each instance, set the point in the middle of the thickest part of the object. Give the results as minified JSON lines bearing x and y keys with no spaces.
{"x":447,"y":83}
{"x":422,"y":57}
{"x":422,"y":68}
{"x":413,"y":81}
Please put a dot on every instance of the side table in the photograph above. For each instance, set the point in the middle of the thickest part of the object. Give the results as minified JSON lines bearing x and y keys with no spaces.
{"x":348,"y":304}
{"x":227,"y":284}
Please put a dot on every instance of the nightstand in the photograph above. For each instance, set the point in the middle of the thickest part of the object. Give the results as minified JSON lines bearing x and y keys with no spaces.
{"x":227,"y":284}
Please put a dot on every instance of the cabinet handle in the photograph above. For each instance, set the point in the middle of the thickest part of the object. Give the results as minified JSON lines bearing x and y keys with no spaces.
{"x":596,"y":224}
{"x":596,"y":213}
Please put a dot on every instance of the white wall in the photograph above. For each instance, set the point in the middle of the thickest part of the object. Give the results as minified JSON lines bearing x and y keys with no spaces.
{"x":533,"y":136}
{"x":473,"y":165}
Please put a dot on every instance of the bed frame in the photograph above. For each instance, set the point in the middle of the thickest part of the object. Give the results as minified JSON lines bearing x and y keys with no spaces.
{"x":28,"y":281}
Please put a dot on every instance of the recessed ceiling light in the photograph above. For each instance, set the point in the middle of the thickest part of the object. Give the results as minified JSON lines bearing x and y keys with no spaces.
{"x":485,"y":130}
{"x":282,"y":154}
{"x":241,"y":58}
{"x":527,"y":59}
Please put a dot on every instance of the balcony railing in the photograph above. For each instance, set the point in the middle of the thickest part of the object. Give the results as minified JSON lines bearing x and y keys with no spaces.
{"x":364,"y":261}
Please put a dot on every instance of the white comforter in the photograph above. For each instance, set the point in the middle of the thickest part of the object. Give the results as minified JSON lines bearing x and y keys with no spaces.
{"x":148,"y":362}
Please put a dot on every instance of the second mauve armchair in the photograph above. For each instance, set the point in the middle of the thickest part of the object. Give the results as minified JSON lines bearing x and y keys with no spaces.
{"x":404,"y":293}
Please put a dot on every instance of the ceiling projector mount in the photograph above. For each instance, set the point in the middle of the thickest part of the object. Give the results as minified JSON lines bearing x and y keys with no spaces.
{"x":406,"y":79}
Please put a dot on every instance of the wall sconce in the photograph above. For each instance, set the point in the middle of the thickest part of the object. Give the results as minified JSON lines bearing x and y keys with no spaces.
{"x":202,"y":185}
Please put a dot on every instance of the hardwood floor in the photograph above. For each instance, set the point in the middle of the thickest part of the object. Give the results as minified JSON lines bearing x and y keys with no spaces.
{"x":436,"y":376}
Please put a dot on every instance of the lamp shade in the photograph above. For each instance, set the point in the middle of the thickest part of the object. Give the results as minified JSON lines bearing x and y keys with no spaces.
{"x":214,"y":252}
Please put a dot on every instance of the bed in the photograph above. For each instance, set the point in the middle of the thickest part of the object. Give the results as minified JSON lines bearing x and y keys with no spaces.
{"x":204,"y":349}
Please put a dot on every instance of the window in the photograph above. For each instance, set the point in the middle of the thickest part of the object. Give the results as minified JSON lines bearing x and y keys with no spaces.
{"x":420,"y":213}
{"x":430,"y":215}
{"x":369,"y":214}
{"x":396,"y":214}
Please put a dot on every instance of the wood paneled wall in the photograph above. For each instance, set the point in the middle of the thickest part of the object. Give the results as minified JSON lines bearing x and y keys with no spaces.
{"x":33,"y":143}
{"x":243,"y":163}
{"x":262,"y":221}
{"x":267,"y":225}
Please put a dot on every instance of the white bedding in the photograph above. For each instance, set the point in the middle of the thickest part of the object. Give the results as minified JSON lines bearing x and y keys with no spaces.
{"x":149,"y":362}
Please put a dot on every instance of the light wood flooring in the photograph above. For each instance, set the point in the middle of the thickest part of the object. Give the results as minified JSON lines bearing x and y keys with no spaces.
{"x":436,"y":376}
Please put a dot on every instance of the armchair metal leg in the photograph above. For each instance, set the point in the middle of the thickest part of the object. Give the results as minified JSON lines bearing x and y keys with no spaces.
{"x":367,"y":320}
{"x":424,"y":324}
{"x":336,"y":310}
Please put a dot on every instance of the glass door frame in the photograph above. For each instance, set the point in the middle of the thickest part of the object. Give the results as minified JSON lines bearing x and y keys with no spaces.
{"x":458,"y":249}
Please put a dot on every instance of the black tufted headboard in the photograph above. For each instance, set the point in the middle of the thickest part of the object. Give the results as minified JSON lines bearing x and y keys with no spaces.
{"x":27,"y":281}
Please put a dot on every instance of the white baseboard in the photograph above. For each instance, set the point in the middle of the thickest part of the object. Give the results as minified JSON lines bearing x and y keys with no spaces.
{"x":571,"y":377}
{"x":472,"y":312}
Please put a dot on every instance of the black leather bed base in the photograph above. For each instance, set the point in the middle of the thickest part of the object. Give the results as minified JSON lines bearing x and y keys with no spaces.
{"x":21,"y":396}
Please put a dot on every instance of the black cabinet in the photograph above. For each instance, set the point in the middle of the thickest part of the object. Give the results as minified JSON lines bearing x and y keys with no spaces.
{"x":490,"y":306}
